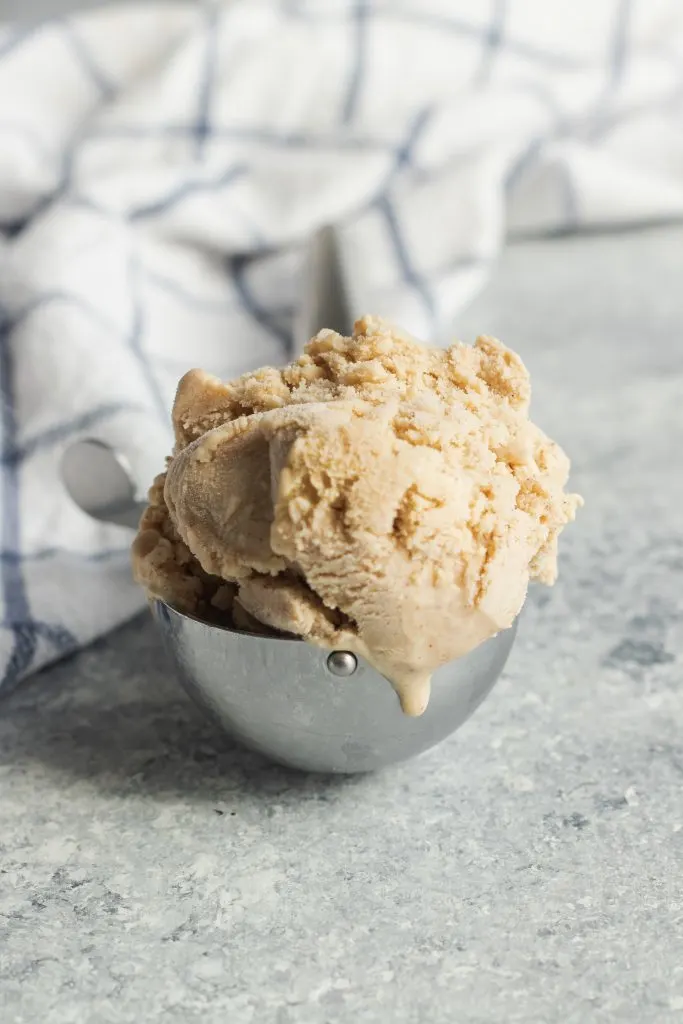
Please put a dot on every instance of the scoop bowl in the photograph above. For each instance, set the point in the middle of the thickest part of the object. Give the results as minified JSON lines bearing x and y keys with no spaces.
{"x":282,"y":698}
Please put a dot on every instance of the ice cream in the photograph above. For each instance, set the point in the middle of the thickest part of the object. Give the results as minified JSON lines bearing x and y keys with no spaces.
{"x":377,"y":495}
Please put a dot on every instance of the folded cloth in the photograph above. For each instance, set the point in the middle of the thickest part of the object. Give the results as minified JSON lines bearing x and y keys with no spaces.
{"x":161,"y":166}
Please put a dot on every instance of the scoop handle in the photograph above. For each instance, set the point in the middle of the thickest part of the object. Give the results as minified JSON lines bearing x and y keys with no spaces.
{"x":325,"y":300}
{"x":99,"y":480}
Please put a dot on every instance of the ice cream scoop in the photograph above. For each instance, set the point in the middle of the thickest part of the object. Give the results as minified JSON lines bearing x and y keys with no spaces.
{"x":376,"y":494}
{"x":304,"y":705}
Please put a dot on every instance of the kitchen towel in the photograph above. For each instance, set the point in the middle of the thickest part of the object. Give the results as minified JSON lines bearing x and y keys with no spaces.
{"x":162,"y":165}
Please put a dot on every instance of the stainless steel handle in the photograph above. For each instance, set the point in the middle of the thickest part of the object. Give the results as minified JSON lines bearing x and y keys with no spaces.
{"x":99,"y":480}
{"x":325,"y":301}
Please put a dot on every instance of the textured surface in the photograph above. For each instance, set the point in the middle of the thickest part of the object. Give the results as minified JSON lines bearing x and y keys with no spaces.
{"x":528,"y":870}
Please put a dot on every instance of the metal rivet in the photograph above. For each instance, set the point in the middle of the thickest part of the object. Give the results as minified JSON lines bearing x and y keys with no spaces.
{"x":342,"y":663}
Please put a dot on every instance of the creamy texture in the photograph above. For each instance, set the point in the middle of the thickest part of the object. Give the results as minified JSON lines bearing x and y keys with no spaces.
{"x":377,"y":495}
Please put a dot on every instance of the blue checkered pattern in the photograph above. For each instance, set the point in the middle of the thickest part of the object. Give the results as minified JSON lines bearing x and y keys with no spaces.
{"x":161,"y":168}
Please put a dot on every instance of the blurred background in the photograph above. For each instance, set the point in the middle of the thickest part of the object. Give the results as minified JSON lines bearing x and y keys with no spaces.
{"x":34,"y":10}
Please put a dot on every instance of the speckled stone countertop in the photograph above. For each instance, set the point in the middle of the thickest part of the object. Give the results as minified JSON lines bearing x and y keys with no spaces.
{"x":528,"y":870}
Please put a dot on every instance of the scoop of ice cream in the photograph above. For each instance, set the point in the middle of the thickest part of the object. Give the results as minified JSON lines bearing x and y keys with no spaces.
{"x":376,"y":495}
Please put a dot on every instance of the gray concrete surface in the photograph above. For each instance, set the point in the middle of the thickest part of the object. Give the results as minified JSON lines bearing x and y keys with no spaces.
{"x":528,"y":870}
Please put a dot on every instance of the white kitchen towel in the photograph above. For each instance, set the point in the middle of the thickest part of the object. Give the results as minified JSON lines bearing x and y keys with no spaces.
{"x":161,"y":166}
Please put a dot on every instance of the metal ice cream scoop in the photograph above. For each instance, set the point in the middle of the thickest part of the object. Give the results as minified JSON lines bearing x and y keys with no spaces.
{"x":300,"y":705}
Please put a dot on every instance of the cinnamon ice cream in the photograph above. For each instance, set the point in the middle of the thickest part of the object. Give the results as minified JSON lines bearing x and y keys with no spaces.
{"x":377,"y":495}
